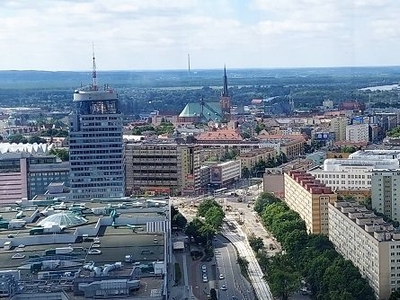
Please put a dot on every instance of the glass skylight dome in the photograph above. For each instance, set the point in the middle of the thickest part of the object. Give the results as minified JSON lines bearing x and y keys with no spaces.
{"x":63,"y":219}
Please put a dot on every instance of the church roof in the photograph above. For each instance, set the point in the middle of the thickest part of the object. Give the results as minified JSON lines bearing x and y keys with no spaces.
{"x":210,"y":111}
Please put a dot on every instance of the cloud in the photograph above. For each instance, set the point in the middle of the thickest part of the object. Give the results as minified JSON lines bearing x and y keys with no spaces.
{"x":141,"y":34}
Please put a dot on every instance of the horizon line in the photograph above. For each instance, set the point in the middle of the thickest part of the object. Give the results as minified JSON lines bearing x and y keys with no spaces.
{"x":208,"y":69}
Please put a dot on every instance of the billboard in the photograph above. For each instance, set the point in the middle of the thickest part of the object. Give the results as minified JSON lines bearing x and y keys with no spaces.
{"x":324,"y":136}
{"x":216,"y":174}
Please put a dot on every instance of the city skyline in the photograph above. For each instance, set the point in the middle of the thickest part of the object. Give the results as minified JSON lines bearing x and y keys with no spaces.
{"x":150,"y":35}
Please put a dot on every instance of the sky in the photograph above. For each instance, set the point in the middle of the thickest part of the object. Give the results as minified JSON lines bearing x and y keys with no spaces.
{"x":57,"y":35}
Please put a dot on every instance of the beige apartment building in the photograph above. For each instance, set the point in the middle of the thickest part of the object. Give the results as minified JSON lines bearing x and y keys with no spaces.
{"x":250,"y":159}
{"x":309,"y":198}
{"x":162,"y":168}
{"x":338,"y":126}
{"x":372,"y":245}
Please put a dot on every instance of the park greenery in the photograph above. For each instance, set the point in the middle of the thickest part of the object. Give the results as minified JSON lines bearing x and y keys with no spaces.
{"x":309,"y":258}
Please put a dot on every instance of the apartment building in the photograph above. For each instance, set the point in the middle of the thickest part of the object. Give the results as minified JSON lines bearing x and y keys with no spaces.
{"x":291,"y":145}
{"x":385,"y":186}
{"x":358,"y":133}
{"x":223,"y":174}
{"x":338,"y":126}
{"x":372,"y":245}
{"x":162,"y":168}
{"x":309,"y":198}
{"x":251,"y":158}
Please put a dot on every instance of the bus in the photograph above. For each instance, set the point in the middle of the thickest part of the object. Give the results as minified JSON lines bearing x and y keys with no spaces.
{"x":220,"y":192}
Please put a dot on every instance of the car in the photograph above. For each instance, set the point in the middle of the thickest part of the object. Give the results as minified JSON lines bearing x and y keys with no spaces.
{"x":204,"y":276}
{"x":221,"y":276}
{"x":234,"y":298}
{"x":223,"y":287}
{"x":94,"y":252}
{"x":18,"y":256}
{"x":204,"y":268}
{"x":205,"y":279}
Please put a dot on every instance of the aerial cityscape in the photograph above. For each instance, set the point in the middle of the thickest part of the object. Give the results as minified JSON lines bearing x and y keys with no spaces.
{"x":199,"y":150}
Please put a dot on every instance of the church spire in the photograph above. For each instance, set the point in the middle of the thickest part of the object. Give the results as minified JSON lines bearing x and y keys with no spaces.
{"x":225,"y":91}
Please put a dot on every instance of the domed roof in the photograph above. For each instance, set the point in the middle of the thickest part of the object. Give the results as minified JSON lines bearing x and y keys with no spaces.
{"x":63,"y":219}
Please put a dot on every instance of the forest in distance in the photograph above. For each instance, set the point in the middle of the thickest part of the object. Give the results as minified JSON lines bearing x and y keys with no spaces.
{"x":170,"y":90}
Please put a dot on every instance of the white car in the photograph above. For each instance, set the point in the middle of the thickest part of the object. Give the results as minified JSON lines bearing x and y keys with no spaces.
{"x":18,"y":256}
{"x":223,"y":287}
{"x":94,"y":252}
{"x":221,"y":276}
{"x":205,"y":279}
{"x":204,"y":268}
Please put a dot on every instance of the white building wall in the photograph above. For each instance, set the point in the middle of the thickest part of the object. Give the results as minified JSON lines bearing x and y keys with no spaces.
{"x":385,"y":192}
{"x":377,"y":261}
{"x":357,"y":133}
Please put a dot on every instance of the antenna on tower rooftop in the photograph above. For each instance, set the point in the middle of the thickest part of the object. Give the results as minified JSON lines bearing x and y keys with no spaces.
{"x":94,"y":75}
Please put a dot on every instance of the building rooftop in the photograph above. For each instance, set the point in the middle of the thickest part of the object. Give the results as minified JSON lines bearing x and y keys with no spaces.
{"x":24,"y":148}
{"x":210,"y":111}
{"x":224,"y":134}
{"x":368,"y":220}
{"x":377,"y":154}
{"x":308,"y":182}
{"x":256,"y":152}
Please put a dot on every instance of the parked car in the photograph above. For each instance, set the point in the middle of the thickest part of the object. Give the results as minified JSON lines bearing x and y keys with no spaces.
{"x":94,"y":252}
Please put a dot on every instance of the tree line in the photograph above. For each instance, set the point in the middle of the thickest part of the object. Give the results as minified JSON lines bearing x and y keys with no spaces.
{"x":310,"y":261}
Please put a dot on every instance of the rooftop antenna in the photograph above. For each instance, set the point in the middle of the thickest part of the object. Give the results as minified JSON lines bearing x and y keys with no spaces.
{"x":94,"y":75}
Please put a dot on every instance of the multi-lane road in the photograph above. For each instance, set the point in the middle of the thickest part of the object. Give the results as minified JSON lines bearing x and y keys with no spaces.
{"x":226,"y":261}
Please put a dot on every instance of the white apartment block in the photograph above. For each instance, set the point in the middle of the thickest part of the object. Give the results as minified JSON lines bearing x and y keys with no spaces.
{"x":372,"y":245}
{"x":385,"y":192}
{"x":350,"y":174}
{"x":357,"y":133}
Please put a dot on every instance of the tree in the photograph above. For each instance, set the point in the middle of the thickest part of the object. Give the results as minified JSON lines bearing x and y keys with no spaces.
{"x":282,"y":277}
{"x":178,"y":219}
{"x":213,"y":294}
{"x":215,"y":217}
{"x":61,"y":153}
{"x":17,"y":138}
{"x":263,"y":200}
{"x":36,"y":139}
{"x":205,"y":205}
{"x":256,"y":243}
{"x":246,"y":172}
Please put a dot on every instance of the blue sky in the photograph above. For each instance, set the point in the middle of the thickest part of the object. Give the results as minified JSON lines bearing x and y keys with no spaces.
{"x":158,"y":34}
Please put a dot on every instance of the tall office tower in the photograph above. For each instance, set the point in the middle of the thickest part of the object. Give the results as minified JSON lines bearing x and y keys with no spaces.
{"x":95,"y":143}
{"x":225,"y":100}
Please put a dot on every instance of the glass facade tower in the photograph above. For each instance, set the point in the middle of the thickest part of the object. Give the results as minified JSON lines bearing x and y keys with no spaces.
{"x":96,"y":145}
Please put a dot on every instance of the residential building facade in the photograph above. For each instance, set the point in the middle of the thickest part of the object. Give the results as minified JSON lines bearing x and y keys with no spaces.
{"x":309,"y":198}
{"x":358,"y":133}
{"x":372,"y":245}
{"x":338,"y":126}
{"x":251,"y":158}
{"x":385,"y":192}
{"x":162,"y":168}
